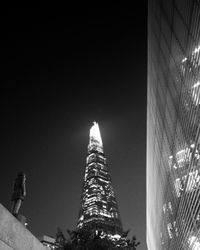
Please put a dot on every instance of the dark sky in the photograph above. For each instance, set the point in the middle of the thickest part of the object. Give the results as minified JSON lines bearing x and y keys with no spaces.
{"x":61,"y":69}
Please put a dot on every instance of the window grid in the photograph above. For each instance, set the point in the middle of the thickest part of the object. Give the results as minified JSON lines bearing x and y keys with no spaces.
{"x":173,"y":125}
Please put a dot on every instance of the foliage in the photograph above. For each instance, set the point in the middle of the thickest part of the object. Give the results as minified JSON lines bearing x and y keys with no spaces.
{"x":87,"y":239}
{"x":60,"y":239}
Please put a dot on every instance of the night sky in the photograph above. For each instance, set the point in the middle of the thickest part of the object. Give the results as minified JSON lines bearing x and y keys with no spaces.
{"x":61,"y":69}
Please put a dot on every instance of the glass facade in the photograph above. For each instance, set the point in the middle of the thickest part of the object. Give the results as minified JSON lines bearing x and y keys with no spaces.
{"x":99,"y":208}
{"x":173,"y":127}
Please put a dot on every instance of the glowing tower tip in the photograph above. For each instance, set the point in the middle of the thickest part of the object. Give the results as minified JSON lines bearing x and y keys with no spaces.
{"x":95,"y":136}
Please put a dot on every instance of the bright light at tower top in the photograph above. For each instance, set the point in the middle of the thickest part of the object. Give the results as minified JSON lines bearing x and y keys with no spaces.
{"x":95,"y":135}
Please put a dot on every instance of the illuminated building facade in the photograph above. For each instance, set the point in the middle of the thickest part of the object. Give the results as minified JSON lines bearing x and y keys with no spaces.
{"x":99,"y":209}
{"x":49,"y":242}
{"x":173,"y":125}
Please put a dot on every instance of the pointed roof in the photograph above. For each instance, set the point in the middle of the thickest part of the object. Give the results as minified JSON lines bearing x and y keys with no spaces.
{"x":95,"y":135}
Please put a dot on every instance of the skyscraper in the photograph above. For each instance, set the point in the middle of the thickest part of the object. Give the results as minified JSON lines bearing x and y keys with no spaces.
{"x":173,"y":125}
{"x":99,"y":209}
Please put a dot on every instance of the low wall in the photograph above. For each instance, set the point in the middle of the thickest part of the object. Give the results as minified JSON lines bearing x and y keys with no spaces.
{"x":14,"y":236}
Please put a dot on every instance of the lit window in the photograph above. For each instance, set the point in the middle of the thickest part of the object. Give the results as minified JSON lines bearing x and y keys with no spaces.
{"x":193,"y":180}
{"x":170,"y":206}
{"x":169,"y":229}
{"x":196,"y":93}
{"x":178,"y":186}
{"x":194,"y":243}
{"x":164,"y":208}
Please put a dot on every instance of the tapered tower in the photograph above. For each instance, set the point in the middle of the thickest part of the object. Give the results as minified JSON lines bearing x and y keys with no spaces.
{"x":99,"y":208}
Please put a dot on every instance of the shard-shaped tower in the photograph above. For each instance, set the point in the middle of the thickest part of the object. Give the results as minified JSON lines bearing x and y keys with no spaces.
{"x":99,"y":208}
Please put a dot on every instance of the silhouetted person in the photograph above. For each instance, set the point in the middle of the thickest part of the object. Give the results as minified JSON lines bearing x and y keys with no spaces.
{"x":19,"y":193}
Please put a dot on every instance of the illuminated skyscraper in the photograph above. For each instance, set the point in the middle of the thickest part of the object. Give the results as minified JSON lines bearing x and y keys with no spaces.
{"x":99,"y":208}
{"x":173,"y":125}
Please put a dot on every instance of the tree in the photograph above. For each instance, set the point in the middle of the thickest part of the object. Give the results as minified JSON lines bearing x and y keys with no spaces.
{"x":60,"y":239}
{"x":88,"y":239}
{"x":133,"y":243}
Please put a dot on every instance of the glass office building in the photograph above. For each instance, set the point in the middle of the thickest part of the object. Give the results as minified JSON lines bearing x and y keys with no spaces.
{"x":173,"y":125}
{"x":99,"y":209}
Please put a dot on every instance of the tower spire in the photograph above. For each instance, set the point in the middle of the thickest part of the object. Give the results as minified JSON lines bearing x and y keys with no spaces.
{"x":99,"y":209}
{"x":95,"y":141}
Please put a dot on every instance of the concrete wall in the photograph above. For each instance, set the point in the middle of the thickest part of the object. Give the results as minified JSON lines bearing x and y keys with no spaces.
{"x":14,"y":236}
